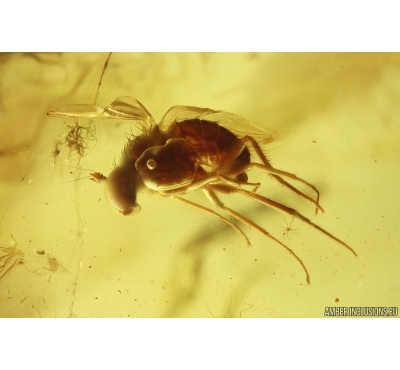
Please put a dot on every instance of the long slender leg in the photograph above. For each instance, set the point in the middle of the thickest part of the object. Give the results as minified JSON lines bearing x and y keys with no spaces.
{"x":266,"y":162}
{"x":213,"y":179}
{"x":280,"y":207}
{"x":211,"y":212}
{"x":273,"y":172}
{"x":213,"y":197}
{"x":276,"y":174}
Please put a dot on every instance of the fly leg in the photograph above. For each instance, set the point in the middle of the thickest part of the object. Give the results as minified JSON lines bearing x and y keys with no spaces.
{"x":275,"y":173}
{"x":209,"y":191}
{"x":280,"y":207}
{"x":211,"y":212}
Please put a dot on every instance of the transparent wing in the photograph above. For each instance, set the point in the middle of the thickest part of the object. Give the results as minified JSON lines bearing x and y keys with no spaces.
{"x":236,"y":124}
{"x":125,"y":107}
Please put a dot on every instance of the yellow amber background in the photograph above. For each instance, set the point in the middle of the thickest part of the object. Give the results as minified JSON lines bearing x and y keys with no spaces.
{"x":65,"y":252}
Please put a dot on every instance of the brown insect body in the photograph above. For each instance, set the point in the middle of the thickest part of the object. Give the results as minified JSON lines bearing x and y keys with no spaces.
{"x":192,"y":152}
{"x":193,"y":148}
{"x":213,"y":143}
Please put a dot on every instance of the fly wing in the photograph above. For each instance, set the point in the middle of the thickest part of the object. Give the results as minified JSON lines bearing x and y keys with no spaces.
{"x":77,"y":110}
{"x":125,"y":107}
{"x":235,"y":124}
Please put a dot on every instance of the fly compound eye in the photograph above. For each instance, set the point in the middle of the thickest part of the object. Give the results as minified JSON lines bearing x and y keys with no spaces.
{"x":121,"y":192}
{"x":151,"y":164}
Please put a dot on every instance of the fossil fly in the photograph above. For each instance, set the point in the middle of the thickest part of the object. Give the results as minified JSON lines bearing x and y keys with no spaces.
{"x":193,"y":149}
